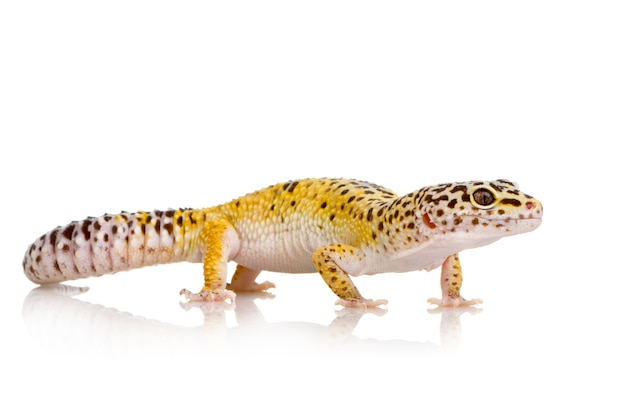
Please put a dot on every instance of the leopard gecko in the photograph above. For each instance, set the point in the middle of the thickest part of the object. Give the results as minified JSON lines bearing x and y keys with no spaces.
{"x":337,"y":227}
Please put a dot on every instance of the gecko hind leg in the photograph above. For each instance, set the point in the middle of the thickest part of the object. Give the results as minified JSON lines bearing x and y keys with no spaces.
{"x":451,"y":281}
{"x":243,"y":280}
{"x":327,"y":260}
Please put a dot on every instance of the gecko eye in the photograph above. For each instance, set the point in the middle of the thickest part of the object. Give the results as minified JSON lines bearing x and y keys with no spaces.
{"x":483,"y":197}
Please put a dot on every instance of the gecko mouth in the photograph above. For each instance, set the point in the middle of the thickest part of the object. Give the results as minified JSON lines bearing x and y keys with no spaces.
{"x":526,"y":223}
{"x":476,"y":221}
{"x":507,"y":220}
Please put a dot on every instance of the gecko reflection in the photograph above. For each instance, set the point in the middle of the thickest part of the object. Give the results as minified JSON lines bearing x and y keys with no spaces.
{"x":61,"y":323}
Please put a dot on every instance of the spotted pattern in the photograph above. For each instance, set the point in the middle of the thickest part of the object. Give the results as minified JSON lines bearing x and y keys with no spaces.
{"x":337,"y":227}
{"x":325,"y":259}
{"x":479,"y":207}
{"x":112,"y":243}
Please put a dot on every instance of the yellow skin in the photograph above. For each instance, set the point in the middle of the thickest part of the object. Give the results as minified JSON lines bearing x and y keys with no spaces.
{"x":337,"y":227}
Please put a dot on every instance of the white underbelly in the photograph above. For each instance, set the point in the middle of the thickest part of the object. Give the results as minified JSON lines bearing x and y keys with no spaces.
{"x":282,"y":250}
{"x":289,"y":250}
{"x":281,"y":258}
{"x":425,"y":257}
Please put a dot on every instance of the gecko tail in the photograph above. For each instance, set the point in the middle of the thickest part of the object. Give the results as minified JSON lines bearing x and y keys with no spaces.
{"x":109,"y":244}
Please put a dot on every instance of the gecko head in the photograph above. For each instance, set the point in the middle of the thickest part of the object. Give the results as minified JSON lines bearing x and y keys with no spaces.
{"x":480,"y":210}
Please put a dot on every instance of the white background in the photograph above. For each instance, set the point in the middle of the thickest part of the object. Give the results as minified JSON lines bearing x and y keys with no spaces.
{"x":132,"y":105}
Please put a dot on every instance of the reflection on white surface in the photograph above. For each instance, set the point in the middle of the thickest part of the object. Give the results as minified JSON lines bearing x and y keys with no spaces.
{"x":60,"y":322}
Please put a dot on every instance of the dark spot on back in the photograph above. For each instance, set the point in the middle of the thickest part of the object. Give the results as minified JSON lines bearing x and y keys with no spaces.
{"x":292,"y":186}
{"x":68,"y":231}
{"x":85,"y":229}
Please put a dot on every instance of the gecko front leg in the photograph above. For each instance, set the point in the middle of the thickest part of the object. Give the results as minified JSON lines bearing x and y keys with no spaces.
{"x":222,"y":243}
{"x":329,"y":261}
{"x":451,"y":281}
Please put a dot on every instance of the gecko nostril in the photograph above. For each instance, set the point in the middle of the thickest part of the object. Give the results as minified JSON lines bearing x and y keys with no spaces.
{"x":530,"y":205}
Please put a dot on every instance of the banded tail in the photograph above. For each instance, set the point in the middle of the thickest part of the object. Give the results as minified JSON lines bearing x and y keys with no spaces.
{"x":112,"y":243}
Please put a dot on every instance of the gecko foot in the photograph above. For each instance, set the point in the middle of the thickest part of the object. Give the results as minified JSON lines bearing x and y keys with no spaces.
{"x":254,"y":287}
{"x":361,"y":303}
{"x":450,"y":302}
{"x":206,"y":296}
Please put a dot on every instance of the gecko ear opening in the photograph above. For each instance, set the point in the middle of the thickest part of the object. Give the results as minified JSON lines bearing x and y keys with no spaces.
{"x":429,"y":223}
